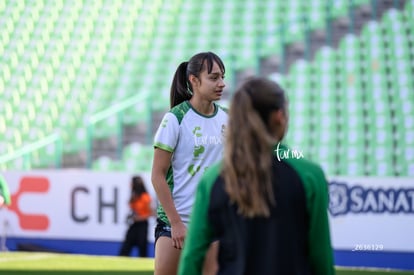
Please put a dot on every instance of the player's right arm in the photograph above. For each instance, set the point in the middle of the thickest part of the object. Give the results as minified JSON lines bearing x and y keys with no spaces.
{"x":161,"y":164}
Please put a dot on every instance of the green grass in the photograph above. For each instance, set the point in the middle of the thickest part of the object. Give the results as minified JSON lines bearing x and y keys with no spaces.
{"x":370,"y":271}
{"x":37,"y":263}
{"x":53,"y":263}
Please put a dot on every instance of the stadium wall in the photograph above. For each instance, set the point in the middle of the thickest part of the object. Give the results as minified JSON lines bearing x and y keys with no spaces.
{"x":84,"y":212}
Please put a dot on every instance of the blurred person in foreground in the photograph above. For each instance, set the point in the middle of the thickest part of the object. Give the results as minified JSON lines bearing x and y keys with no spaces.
{"x":266,"y":206}
{"x":140,"y":206}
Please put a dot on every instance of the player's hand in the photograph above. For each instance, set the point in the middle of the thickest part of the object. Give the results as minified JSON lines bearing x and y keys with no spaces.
{"x":178,"y":233}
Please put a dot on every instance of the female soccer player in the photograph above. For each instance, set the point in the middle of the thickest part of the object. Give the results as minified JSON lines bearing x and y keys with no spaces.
{"x":188,"y":141}
{"x":268,"y":213}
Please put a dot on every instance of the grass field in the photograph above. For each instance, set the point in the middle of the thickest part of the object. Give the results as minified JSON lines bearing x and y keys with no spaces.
{"x":54,"y":263}
{"x":58,"y":264}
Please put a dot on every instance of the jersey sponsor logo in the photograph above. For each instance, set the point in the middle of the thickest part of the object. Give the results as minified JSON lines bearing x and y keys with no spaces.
{"x":198,"y":150}
{"x":192,"y":170}
{"x":205,"y":140}
{"x":357,"y":199}
{"x":200,"y":139}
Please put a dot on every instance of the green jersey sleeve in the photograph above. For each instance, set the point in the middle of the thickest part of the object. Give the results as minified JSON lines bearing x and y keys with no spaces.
{"x":316,"y":189}
{"x":199,"y":234}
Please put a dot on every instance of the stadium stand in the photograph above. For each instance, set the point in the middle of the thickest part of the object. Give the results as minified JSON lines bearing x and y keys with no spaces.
{"x":68,"y":63}
{"x":356,"y":121}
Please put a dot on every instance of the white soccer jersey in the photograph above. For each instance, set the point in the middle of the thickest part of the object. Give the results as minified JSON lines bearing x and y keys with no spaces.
{"x":196,"y":142}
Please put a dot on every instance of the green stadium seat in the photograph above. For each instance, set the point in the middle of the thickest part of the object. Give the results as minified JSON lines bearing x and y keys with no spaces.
{"x":339,"y":8}
{"x":323,"y":74}
{"x":71,"y":59}
{"x":75,"y":141}
{"x":106,"y":128}
{"x":324,"y":110}
{"x":103,"y":164}
{"x":317,"y":14}
{"x":138,"y":157}
{"x":139,"y":112}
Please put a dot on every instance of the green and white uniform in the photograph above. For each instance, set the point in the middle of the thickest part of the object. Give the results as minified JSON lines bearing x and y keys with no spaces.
{"x":196,"y":142}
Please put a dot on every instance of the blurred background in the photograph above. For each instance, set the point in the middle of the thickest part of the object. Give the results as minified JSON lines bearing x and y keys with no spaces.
{"x":84,"y":84}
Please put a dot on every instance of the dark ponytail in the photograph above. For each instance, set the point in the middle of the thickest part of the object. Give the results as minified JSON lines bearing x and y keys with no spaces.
{"x":181,"y":89}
